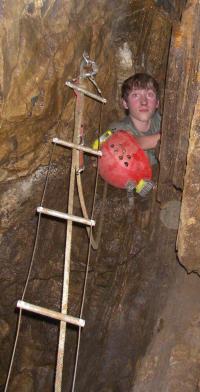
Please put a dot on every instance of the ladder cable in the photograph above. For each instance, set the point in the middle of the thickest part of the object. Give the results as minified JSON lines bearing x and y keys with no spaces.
{"x":75,"y":169}
{"x":92,"y":243}
{"x":84,"y":290}
{"x":65,"y":292}
{"x":28,"y":275}
{"x":74,"y":176}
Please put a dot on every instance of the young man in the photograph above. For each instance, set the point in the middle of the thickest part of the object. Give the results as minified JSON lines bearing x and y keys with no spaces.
{"x":140,"y":99}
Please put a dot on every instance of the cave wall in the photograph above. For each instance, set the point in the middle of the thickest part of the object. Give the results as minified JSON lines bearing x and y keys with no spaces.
{"x":188,"y":236}
{"x":171,"y":361}
{"x":179,"y":178}
{"x":181,"y":94}
{"x":42,"y":44}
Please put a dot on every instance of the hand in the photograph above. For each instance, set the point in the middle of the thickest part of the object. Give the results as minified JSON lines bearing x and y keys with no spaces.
{"x":148,"y":142}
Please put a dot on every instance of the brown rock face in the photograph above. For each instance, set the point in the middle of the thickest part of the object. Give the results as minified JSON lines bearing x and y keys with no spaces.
{"x":42,"y":45}
{"x":141,"y":307}
{"x":187,"y":244}
{"x":182,"y":93}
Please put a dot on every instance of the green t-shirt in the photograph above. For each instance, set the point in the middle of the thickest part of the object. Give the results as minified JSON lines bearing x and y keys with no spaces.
{"x":126,"y":124}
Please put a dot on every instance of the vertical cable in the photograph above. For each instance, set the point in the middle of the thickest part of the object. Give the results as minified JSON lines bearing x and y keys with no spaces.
{"x":87,"y":268}
{"x":28,"y":275}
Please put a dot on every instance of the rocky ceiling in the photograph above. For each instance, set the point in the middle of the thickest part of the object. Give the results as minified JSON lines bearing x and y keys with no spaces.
{"x":142,"y":308}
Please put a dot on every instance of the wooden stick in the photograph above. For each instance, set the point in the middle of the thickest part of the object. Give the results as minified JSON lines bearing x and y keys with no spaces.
{"x":85,"y":92}
{"x":65,"y":294}
{"x":51,"y":313}
{"x":62,"y":215}
{"x":77,"y":146}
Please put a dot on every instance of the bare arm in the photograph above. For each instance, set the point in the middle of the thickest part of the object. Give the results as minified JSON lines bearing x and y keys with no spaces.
{"x":148,"y":142}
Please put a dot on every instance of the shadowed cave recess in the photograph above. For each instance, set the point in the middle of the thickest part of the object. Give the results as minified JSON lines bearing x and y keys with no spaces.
{"x":142,"y":309}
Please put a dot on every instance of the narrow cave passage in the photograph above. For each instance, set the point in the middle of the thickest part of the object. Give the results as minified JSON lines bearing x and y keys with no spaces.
{"x":141,"y":308}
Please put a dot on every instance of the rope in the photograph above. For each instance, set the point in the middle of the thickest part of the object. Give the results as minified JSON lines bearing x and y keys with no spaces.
{"x":74,"y":166}
{"x":92,"y":243}
{"x":74,"y":170}
{"x":28,"y":275}
{"x":85,"y":283}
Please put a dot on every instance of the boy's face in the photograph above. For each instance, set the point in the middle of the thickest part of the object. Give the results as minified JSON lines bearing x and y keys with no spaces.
{"x":141,"y":103}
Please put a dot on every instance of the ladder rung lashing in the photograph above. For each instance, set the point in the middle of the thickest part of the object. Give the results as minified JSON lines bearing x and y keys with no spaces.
{"x":77,"y":147}
{"x":62,"y":215}
{"x":85,"y":92}
{"x":50,"y":313}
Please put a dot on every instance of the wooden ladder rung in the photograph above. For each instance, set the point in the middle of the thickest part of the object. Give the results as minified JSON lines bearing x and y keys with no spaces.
{"x":85,"y":92}
{"x":77,"y":147}
{"x":51,"y":313}
{"x":62,"y":215}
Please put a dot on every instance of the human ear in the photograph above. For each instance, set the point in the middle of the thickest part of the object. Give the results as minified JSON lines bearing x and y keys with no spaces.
{"x":157,"y":104}
{"x":124,"y":103}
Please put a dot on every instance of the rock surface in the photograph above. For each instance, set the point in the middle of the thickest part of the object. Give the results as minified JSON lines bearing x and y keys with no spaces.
{"x":141,"y":306}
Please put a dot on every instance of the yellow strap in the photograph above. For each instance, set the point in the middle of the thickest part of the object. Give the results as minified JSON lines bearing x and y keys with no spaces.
{"x":98,"y":142}
{"x":140,"y":185}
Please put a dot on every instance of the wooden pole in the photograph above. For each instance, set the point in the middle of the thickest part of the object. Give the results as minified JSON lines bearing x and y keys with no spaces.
{"x":77,"y":146}
{"x":51,"y":313}
{"x":62,"y":335}
{"x":62,"y":215}
{"x":85,"y":92}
